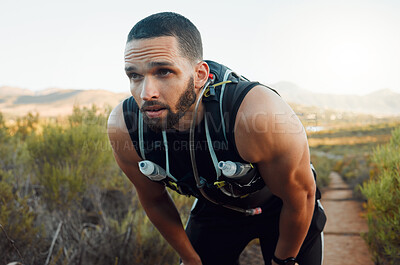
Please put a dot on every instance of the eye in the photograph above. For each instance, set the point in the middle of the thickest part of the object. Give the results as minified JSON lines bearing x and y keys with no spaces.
{"x":164,"y":72}
{"x":134,"y":76}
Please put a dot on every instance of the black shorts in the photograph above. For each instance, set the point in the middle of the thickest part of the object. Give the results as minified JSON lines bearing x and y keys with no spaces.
{"x":219,"y":235}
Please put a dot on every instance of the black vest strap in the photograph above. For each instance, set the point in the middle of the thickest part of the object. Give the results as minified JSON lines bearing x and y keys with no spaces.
{"x":131,"y":111}
{"x":221,"y":105}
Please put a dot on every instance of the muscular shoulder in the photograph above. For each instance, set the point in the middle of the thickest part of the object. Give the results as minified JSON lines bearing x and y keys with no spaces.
{"x":266,"y":127}
{"x":119,"y":136}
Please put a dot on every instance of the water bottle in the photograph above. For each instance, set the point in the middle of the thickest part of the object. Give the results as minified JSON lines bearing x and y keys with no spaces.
{"x":152,"y":170}
{"x":234,"y":169}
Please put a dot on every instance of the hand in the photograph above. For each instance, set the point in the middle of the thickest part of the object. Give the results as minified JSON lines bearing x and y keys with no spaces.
{"x":274,"y":263}
{"x":191,"y":262}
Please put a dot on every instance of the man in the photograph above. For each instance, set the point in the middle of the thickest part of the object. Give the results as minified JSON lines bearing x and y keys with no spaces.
{"x":180,"y":122}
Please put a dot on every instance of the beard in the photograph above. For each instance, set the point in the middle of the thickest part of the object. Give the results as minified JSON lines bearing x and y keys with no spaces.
{"x":185,"y":101}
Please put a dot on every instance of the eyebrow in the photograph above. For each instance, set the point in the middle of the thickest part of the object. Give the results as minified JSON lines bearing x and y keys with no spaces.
{"x":150,"y":65}
{"x":130,"y":69}
{"x":155,"y":64}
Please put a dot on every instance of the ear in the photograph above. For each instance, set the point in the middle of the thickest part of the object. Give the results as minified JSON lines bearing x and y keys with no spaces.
{"x":201,"y":74}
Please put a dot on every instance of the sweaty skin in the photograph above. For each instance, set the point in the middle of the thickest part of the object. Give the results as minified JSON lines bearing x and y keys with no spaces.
{"x":267,"y":132}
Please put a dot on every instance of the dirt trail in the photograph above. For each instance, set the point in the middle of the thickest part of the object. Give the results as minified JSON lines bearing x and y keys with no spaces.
{"x":343,"y":243}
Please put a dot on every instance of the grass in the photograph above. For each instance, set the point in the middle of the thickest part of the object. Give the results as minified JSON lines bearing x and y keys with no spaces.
{"x":63,"y":170}
{"x":347,"y":150}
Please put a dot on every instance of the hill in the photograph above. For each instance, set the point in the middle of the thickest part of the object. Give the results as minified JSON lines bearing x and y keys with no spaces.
{"x":58,"y":102}
{"x":53,"y":102}
{"x":380,"y":102}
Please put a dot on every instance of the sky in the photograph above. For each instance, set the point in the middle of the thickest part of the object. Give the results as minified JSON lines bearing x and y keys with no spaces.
{"x":326,"y":46}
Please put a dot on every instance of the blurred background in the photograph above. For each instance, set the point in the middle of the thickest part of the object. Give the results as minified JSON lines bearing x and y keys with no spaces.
{"x":63,"y":200}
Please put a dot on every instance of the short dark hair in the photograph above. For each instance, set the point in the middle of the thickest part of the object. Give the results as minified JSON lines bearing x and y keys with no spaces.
{"x":170,"y":24}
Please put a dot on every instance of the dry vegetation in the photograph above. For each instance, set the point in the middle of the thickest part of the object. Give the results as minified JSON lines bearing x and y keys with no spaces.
{"x":368,"y":159}
{"x":63,"y":200}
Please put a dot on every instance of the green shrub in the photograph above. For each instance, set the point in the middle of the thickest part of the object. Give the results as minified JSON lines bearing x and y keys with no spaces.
{"x":67,"y":159}
{"x":323,"y":165}
{"x":63,"y":172}
{"x":355,"y":170}
{"x":383,"y":206}
{"x":25,"y":125}
{"x":17,"y":225}
{"x":6,"y":144}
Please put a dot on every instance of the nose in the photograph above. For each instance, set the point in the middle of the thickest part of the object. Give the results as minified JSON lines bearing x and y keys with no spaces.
{"x":149,"y":90}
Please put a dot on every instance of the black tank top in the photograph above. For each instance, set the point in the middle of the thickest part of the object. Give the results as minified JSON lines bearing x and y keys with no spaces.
{"x":223,"y":139}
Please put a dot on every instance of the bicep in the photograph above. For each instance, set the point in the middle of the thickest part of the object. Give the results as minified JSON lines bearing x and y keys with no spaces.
{"x":286,"y":170}
{"x":271,"y":135}
{"x":289,"y":176}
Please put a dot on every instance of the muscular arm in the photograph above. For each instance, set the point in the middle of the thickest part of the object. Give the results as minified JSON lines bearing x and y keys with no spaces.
{"x":268,"y":133}
{"x":154,"y":198}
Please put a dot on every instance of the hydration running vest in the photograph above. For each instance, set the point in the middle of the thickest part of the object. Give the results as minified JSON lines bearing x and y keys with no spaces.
{"x":214,"y":141}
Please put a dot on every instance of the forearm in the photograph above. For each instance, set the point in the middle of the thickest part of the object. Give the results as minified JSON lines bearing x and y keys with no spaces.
{"x":294,"y":223}
{"x":164,"y":215}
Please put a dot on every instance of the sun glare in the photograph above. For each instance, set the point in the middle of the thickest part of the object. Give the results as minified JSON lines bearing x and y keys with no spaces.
{"x":349,"y":60}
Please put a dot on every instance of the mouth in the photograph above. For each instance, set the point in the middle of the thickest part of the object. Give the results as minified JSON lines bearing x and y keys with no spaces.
{"x":154,"y":111}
